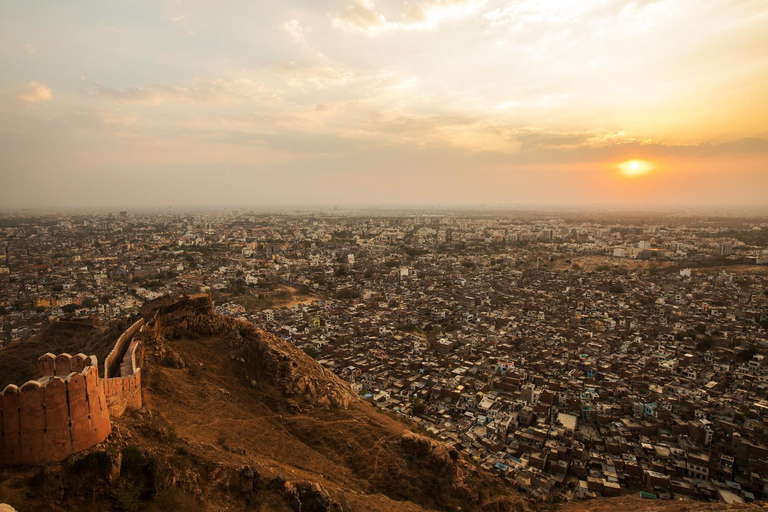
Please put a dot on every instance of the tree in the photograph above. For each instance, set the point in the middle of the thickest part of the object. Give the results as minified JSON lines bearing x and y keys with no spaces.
{"x":748,"y":354}
{"x":616,"y":288}
{"x":310,"y":350}
{"x":705,"y":344}
{"x":347,"y":293}
{"x":451,"y":326}
{"x":417,"y":407}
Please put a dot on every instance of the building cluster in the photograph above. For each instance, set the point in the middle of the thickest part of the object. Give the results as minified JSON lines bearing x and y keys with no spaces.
{"x":574,"y":355}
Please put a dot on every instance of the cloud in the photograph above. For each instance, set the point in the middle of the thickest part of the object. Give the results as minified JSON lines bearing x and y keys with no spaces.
{"x":362,"y":16}
{"x":414,"y":13}
{"x":181,"y":22}
{"x":531,"y":140}
{"x":554,"y":149}
{"x":466,"y":133}
{"x":746,"y":145}
{"x":473,"y":134}
{"x":518,"y":15}
{"x":319,"y":76}
{"x":36,"y":92}
{"x":200,"y":91}
{"x":296,"y":32}
{"x":326,"y":75}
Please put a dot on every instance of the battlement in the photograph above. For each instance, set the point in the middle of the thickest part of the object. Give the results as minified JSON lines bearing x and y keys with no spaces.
{"x":62,"y":413}
{"x":124,"y":391}
{"x":50,"y":365}
{"x":110,"y":363}
{"x":68,"y":408}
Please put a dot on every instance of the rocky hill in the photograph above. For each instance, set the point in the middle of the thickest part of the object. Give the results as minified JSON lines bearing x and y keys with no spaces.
{"x":236,"y":418}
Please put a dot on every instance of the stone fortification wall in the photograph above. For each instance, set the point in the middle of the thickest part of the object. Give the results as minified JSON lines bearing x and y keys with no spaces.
{"x":124,"y":392}
{"x":122,"y":376}
{"x":61,"y":413}
{"x":68,"y":408}
{"x":150,"y":307}
{"x":111,"y":362}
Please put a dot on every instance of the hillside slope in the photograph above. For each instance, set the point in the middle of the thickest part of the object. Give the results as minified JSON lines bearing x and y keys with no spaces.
{"x":238,"y":419}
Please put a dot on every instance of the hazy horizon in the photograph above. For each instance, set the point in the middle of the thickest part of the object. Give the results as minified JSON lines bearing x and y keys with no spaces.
{"x":437,"y":103}
{"x":747,"y":212}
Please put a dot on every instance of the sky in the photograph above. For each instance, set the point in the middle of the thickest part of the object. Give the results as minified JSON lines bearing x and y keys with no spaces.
{"x":375,"y":102}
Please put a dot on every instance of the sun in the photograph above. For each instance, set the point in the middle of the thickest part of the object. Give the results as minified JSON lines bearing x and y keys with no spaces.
{"x":634,"y":168}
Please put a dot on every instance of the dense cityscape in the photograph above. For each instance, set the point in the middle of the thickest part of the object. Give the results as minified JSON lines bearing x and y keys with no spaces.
{"x":384,"y":256}
{"x":574,"y":354}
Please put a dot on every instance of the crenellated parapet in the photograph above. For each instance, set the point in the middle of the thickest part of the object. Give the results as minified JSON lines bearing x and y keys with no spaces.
{"x":123,"y":387}
{"x":50,"y":365}
{"x":68,"y":408}
{"x":110,"y":363}
{"x":61,"y":413}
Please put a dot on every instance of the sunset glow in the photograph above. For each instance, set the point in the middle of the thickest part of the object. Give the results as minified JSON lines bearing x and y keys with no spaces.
{"x":634,"y":168}
{"x":353,"y":101}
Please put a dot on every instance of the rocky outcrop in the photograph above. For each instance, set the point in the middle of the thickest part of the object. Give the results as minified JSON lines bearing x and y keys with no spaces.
{"x":439,"y":457}
{"x":190,"y":316}
{"x":293,"y":372}
{"x":273,"y":360}
{"x":193,"y":475}
{"x":313,"y":497}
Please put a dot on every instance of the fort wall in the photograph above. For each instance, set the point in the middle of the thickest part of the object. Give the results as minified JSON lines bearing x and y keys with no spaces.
{"x":63,"y":412}
{"x":68,"y":408}
{"x":120,"y":346}
{"x":124,"y":392}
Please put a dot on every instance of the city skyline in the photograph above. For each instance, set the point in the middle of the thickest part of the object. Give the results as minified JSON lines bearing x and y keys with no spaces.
{"x":450,"y":102}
